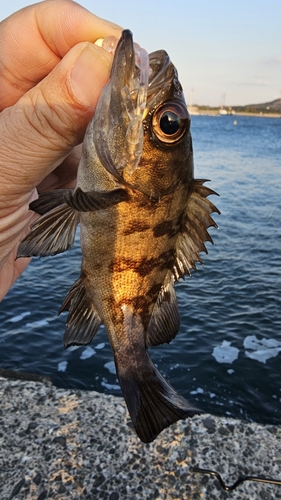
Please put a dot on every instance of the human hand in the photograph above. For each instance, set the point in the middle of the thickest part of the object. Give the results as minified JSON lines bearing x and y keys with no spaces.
{"x":50,"y":78}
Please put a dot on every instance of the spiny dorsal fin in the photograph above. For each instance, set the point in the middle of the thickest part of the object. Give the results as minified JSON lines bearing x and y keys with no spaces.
{"x":197,"y":219}
{"x":165,"y":320}
{"x":83,"y":321}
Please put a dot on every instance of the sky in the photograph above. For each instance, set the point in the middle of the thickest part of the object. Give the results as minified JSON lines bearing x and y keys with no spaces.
{"x":227,"y":52}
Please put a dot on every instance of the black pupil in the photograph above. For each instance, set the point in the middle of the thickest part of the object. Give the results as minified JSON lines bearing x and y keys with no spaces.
{"x":170,"y":123}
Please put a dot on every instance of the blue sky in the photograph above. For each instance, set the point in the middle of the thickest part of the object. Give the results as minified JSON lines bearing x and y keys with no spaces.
{"x":226,"y":51}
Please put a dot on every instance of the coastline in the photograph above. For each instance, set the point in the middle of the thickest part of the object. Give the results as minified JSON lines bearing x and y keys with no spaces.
{"x":215,"y":112}
{"x":58,"y":443}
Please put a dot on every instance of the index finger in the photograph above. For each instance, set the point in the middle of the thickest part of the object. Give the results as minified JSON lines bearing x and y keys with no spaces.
{"x":34,"y":40}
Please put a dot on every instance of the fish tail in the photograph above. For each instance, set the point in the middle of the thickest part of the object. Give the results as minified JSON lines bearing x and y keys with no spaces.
{"x":152,"y":402}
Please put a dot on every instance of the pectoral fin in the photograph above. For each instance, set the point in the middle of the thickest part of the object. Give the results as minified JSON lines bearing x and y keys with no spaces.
{"x":94,"y":200}
{"x":54,"y":232}
{"x":165,"y":320}
{"x":83,"y":321}
{"x":49,"y":200}
{"x":194,"y":234}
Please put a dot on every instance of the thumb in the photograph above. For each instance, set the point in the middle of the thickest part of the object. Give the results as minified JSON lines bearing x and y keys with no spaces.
{"x":40,"y":130}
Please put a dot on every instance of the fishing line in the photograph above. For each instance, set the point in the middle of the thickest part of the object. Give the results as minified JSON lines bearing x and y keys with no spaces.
{"x":240,"y":480}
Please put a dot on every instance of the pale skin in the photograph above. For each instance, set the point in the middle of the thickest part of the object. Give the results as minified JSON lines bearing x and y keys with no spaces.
{"x":51,"y":76}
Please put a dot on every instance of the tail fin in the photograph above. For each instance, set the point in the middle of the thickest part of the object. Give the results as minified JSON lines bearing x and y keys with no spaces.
{"x":152,"y":402}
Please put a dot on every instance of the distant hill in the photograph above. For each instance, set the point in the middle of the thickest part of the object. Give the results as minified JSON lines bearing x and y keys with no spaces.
{"x":266,"y":107}
{"x":272,"y":108}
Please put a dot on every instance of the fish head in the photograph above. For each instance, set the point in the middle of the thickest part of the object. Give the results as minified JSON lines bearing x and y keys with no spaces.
{"x":167,"y":156}
{"x":141,"y":128}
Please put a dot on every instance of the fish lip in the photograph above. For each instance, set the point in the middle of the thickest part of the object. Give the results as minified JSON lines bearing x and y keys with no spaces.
{"x":127,"y":39}
{"x":123,"y":67}
{"x":163,"y":81}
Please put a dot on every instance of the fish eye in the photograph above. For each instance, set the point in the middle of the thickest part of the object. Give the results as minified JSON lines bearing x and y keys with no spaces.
{"x":170,"y":122}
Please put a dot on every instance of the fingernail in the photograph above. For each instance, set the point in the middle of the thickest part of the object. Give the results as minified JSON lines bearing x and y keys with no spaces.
{"x":89,"y":74}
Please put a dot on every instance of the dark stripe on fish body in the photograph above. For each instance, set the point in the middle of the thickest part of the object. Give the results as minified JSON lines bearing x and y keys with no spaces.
{"x":136,"y":227}
{"x":154,"y":290}
{"x":144,"y":266}
{"x":143,"y":304}
{"x":142,"y":307}
{"x":167,"y":227}
{"x":140,"y":303}
{"x":166,"y":259}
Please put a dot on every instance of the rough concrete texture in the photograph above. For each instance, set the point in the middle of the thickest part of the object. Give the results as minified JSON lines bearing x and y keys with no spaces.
{"x":57,"y":443}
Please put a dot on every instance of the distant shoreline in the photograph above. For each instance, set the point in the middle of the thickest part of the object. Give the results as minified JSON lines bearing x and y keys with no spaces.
{"x":216,"y":112}
{"x":270,"y":109}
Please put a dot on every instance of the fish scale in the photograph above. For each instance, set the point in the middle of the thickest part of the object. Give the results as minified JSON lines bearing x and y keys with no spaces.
{"x":144,"y":221}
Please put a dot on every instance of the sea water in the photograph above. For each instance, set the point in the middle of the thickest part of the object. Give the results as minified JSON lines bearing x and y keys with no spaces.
{"x":226,"y":358}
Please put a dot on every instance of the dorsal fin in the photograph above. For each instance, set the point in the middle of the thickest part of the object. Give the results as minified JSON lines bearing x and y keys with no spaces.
{"x":194,"y":234}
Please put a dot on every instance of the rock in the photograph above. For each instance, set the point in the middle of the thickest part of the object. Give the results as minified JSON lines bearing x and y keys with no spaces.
{"x":60,"y":440}
{"x":18,"y":487}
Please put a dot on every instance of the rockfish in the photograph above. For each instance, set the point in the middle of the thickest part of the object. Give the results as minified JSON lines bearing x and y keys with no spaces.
{"x":143,"y":222}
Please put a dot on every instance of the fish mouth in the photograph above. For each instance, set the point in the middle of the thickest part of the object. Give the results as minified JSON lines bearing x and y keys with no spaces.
{"x":118,"y":138}
{"x":123,"y":65}
{"x":130,"y":72}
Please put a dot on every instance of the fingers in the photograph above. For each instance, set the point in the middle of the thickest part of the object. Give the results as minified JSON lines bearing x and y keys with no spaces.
{"x":15,"y":220}
{"x":50,"y":80}
{"x":10,"y":270}
{"x":36,"y":38}
{"x":40,"y":130}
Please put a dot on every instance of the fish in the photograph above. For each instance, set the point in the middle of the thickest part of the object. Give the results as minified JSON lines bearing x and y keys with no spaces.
{"x":143,"y":219}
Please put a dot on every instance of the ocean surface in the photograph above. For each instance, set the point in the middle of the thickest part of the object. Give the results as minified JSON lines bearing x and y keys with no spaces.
{"x":226,"y":358}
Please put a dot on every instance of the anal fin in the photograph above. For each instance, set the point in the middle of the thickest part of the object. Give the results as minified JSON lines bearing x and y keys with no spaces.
{"x":165,"y":320}
{"x":83,"y":321}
